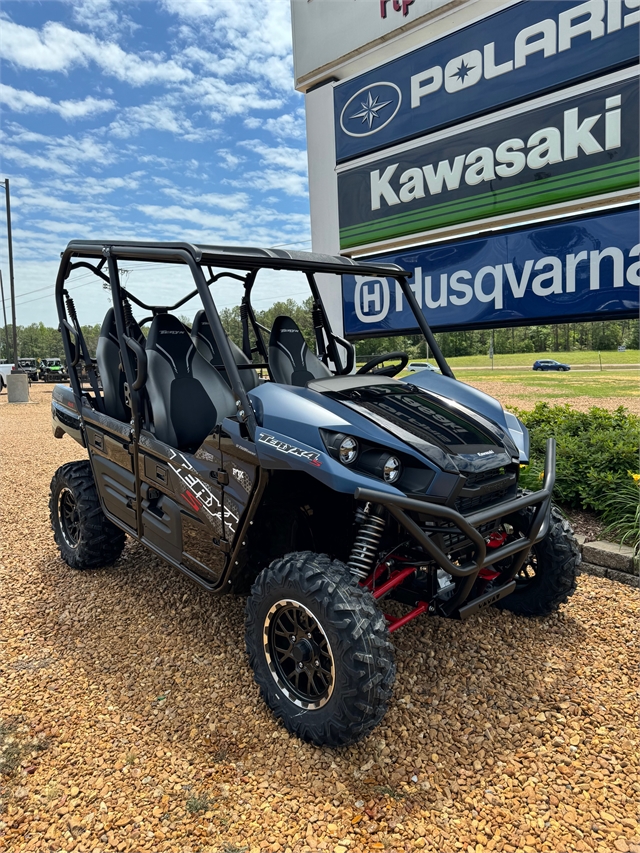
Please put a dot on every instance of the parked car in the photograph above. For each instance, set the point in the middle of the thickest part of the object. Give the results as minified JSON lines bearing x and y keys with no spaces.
{"x":414,"y":366}
{"x":28,"y":366}
{"x":52,"y":370}
{"x":549,"y":364}
{"x":5,"y":370}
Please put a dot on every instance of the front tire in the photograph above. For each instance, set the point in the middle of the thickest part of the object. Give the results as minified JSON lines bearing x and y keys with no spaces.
{"x":85,"y":537}
{"x":548,"y":577}
{"x":319,"y":649}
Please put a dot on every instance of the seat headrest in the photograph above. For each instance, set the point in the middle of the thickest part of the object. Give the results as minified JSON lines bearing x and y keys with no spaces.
{"x":171,"y":339}
{"x":288,"y":327}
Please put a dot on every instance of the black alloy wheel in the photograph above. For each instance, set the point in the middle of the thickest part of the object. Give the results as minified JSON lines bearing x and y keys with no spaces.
{"x":85,"y":537}
{"x":298,"y":654}
{"x":319,"y":649}
{"x":69,"y":518}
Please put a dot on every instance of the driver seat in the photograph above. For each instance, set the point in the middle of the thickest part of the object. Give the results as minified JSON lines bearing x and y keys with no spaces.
{"x":290,"y":360}
{"x":187,"y":394}
{"x":110,"y":369}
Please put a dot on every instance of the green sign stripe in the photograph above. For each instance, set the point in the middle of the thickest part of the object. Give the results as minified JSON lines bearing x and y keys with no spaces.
{"x":508,"y":206}
{"x":612,"y":171}
{"x":436,"y":217}
{"x":437,"y":220}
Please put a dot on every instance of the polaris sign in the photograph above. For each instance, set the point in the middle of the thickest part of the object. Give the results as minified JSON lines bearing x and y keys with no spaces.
{"x":526,"y":49}
{"x":579,"y":146}
{"x":583,"y":269}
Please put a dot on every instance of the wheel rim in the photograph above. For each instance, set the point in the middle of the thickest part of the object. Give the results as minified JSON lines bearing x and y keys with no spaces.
{"x":528,"y":572}
{"x":69,"y":518}
{"x":298,"y":654}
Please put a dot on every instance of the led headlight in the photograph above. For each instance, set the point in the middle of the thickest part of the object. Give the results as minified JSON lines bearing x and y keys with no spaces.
{"x":392,"y":469}
{"x":348,"y":450}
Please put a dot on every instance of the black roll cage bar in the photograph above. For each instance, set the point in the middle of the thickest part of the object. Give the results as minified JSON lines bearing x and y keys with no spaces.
{"x":250,"y":261}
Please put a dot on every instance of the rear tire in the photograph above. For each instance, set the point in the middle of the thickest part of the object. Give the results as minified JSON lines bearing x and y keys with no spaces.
{"x":85,"y":537}
{"x":319,"y":648}
{"x":548,"y":577}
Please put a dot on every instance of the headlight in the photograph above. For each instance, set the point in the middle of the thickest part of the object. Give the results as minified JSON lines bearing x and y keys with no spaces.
{"x":348,"y":450}
{"x":392,"y":469}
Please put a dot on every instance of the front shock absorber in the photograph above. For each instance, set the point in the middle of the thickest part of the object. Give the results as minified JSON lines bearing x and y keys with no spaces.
{"x":367,"y":541}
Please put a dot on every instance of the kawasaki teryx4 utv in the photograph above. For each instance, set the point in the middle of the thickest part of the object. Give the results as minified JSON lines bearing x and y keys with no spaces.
{"x":321,"y":492}
{"x":52,"y":370}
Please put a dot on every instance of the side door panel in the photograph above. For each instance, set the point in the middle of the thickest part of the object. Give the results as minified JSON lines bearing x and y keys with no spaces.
{"x":183,"y":506}
{"x":113,"y":469}
{"x":240,"y":464}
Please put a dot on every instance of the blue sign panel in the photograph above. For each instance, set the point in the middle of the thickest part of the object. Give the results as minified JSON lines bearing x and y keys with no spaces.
{"x":528,"y":48}
{"x":579,"y":269}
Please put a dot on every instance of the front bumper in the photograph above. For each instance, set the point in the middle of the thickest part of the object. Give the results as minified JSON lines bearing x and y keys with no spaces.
{"x":398,"y":505}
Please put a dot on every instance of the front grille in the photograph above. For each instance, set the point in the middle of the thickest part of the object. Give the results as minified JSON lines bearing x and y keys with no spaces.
{"x":486,"y":489}
{"x":468,"y":505}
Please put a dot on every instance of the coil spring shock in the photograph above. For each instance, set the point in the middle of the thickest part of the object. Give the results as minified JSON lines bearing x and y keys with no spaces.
{"x":367,"y":541}
{"x":71,"y":308}
{"x":128,"y":315}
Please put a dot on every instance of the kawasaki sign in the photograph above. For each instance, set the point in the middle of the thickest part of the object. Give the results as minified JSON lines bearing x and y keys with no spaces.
{"x":527,"y":49}
{"x":584,"y":268}
{"x":576,"y":147}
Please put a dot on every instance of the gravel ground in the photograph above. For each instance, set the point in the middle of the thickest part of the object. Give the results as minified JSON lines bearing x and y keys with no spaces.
{"x":129,"y":720}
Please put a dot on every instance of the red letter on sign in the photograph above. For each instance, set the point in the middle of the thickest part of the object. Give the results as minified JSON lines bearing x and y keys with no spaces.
{"x":383,"y":8}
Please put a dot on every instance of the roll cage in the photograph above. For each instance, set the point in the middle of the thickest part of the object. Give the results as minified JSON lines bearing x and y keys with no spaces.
{"x":239,"y":263}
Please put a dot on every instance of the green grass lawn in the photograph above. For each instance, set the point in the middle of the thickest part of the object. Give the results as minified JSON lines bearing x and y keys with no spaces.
{"x":562,"y":387}
{"x":526,"y":359}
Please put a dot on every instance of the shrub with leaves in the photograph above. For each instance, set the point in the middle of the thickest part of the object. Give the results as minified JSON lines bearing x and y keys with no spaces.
{"x":595,"y":451}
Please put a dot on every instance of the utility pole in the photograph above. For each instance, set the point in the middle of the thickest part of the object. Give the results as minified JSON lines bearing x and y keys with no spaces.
{"x":4,"y":311}
{"x":12,"y":291}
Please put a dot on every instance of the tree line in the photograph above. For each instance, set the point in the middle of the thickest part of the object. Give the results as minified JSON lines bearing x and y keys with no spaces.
{"x":40,"y":341}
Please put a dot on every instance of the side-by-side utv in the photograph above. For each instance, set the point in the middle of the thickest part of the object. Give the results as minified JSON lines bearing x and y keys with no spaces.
{"x":320,"y":492}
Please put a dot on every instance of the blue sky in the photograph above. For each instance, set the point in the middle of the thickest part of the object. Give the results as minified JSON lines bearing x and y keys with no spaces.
{"x":164,"y":120}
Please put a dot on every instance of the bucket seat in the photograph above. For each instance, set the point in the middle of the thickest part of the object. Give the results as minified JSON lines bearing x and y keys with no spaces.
{"x":290,"y":360}
{"x":187,"y":395}
{"x":202,"y":336}
{"x":109,"y":366}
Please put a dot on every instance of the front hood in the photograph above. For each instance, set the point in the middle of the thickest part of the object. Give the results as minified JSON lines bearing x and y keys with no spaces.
{"x":446,"y":432}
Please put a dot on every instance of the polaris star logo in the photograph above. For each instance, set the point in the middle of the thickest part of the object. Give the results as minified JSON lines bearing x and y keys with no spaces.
{"x":370,"y":109}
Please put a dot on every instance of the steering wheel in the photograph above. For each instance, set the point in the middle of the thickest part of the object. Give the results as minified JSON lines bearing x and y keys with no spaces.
{"x":385,"y":371}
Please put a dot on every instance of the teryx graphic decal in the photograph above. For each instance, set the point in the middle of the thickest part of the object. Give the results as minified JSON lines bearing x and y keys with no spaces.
{"x":283,"y":447}
{"x":199,"y":495}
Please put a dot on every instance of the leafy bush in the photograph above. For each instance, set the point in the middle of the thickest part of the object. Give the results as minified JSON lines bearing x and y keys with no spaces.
{"x":595,"y":451}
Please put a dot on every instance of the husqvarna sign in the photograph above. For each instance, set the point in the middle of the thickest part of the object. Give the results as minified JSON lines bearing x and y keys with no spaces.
{"x":587,"y":268}
{"x":526,"y":49}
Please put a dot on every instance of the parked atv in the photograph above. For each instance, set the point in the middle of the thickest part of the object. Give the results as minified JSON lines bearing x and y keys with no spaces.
{"x":28,"y":366}
{"x":52,"y":370}
{"x":322,"y":493}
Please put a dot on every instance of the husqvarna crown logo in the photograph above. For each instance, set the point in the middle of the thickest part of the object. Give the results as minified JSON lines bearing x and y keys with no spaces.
{"x":370,"y":109}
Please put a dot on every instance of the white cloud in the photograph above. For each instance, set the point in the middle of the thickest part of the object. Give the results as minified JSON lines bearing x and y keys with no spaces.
{"x":102,"y":15}
{"x":159,"y":115}
{"x":277,"y":179}
{"x":221,"y":98}
{"x":294,"y":159}
{"x":58,"y":48}
{"x":231,"y":202}
{"x":22,"y":100}
{"x":253,"y":37}
{"x":287,"y":126}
